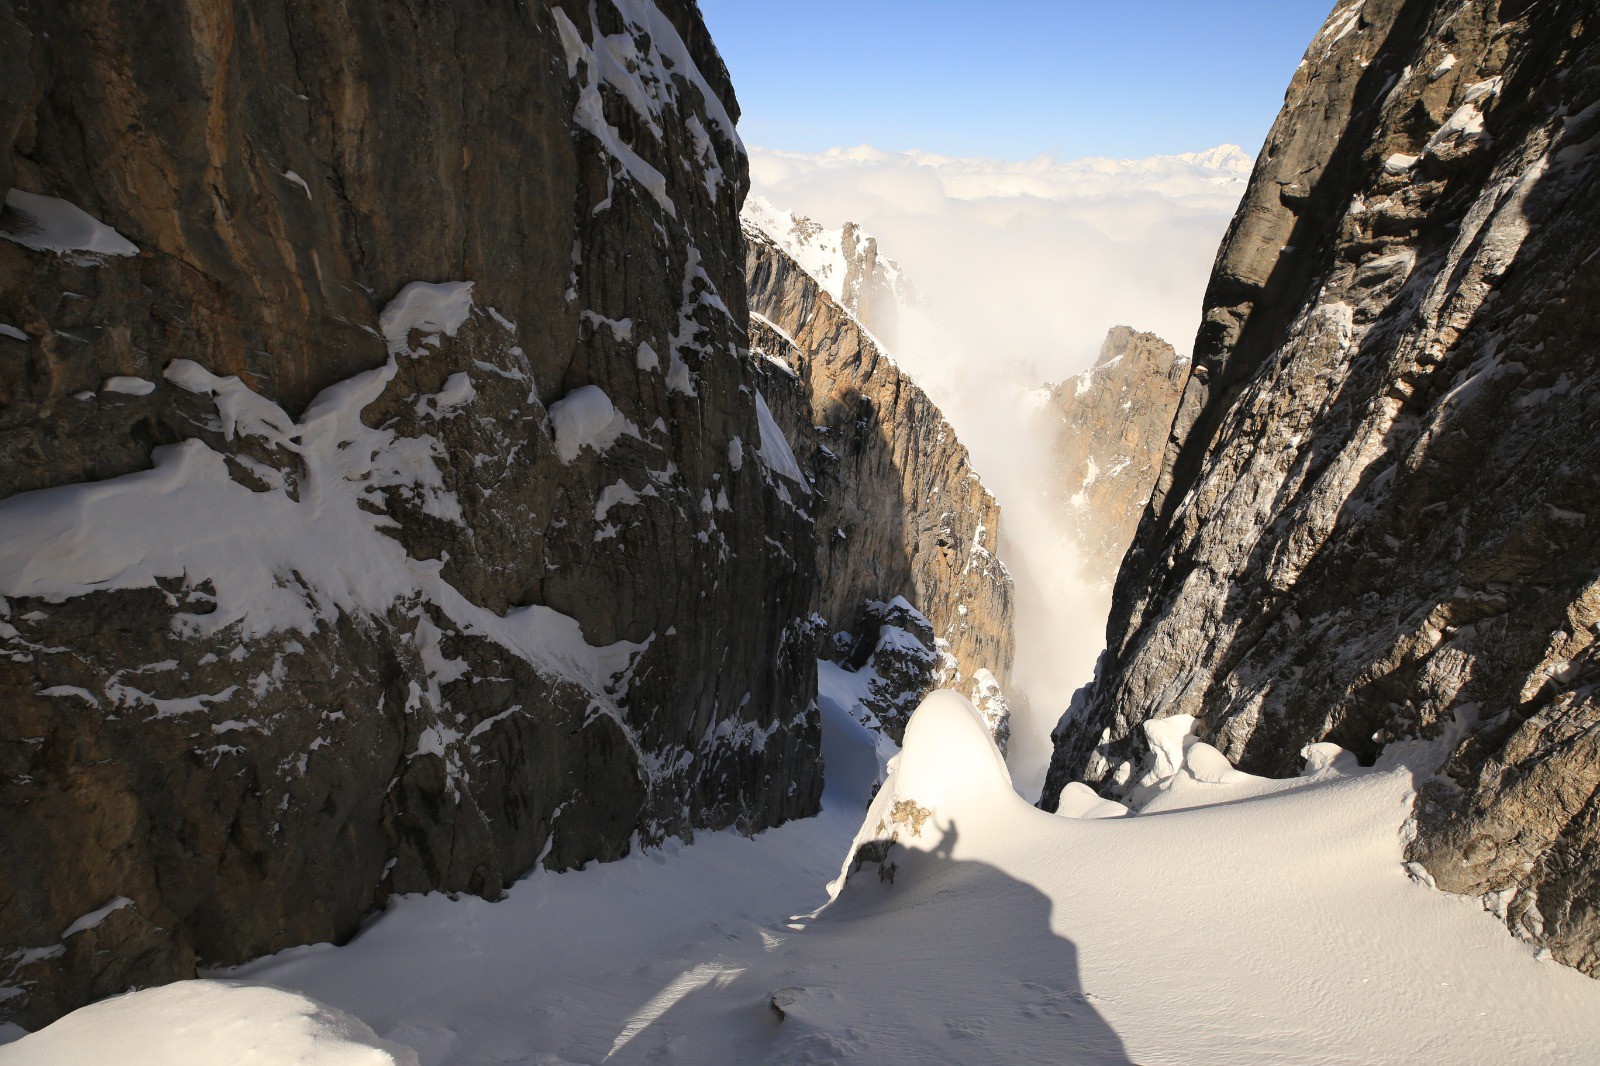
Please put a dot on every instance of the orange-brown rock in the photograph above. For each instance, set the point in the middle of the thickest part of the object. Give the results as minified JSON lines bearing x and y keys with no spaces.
{"x":1111,"y":424}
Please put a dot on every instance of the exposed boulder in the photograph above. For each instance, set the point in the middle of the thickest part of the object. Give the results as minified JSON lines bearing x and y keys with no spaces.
{"x":1378,"y":511}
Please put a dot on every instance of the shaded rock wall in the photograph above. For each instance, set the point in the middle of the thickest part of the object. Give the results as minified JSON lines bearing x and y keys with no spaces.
{"x":379,"y":587}
{"x":1111,"y":424}
{"x":899,"y":510}
{"x":1378,"y":511}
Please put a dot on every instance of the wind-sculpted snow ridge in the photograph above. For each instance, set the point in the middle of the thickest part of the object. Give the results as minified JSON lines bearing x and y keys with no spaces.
{"x":1377,"y":514}
{"x":371,"y":523}
{"x":967,"y":926}
{"x":204,"y":1022}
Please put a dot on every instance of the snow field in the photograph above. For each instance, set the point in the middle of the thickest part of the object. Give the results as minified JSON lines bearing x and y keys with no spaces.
{"x":1246,"y":921}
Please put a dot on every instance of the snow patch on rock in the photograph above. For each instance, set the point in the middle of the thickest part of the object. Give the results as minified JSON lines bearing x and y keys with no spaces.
{"x":775,"y":450}
{"x":50,"y":224}
{"x":585,"y":418}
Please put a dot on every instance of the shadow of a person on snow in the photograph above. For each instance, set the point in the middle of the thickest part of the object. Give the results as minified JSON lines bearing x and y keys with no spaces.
{"x":920,"y":958}
{"x":946,"y":847}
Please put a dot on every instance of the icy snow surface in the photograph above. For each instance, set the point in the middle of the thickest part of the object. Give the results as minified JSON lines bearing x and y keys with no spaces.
{"x":1253,"y":921}
{"x":775,"y":450}
{"x":432,"y":308}
{"x":128,"y":386}
{"x":584,"y":418}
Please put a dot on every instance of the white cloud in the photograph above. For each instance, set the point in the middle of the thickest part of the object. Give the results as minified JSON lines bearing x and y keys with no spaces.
{"x":1033,"y":259}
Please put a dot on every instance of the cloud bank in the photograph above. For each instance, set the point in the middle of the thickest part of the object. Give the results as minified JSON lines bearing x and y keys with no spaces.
{"x":1030,"y":262}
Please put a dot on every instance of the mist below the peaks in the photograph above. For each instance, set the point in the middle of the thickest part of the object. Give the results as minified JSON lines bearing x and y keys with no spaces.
{"x":1021,"y":267}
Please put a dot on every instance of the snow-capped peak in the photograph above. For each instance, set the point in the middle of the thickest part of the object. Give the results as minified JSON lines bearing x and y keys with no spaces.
{"x":845,"y":261}
{"x":1229,"y":159}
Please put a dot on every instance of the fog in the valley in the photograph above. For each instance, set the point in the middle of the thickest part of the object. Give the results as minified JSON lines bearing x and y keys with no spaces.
{"x":1021,"y":268}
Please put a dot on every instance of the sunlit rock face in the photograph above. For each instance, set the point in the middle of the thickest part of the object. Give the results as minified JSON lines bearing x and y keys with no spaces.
{"x":384,"y":510}
{"x":1377,"y":514}
{"x":1111,"y":424}
{"x":900,"y":512}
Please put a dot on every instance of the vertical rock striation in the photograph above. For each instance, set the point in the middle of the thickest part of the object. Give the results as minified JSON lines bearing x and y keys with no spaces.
{"x":372,"y":384}
{"x":1379,"y":508}
{"x":899,"y":510}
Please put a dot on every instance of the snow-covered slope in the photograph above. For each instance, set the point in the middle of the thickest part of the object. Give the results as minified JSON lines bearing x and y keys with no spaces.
{"x":209,"y":1023}
{"x":1232,"y":920}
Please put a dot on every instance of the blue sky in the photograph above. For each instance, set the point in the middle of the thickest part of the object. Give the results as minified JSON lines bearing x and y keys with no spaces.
{"x":1012,"y":78}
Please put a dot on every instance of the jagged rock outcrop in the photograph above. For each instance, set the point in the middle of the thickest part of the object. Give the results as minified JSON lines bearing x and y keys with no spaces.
{"x":1111,"y":424}
{"x":845,"y":263}
{"x":372,"y":391}
{"x":1380,"y":506}
{"x":899,"y":510}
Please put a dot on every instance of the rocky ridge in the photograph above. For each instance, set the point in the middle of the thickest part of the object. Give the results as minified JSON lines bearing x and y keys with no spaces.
{"x":372,"y":403}
{"x":845,"y":263}
{"x":899,"y":510}
{"x":1110,"y":424}
{"x":1376,"y":517}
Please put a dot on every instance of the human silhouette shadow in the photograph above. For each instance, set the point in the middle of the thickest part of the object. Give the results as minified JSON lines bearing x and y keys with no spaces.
{"x":921,"y":958}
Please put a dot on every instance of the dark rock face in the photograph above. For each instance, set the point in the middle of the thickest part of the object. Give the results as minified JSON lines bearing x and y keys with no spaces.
{"x":1380,"y":504}
{"x":503,"y":595}
{"x":899,"y":510}
{"x":1111,"y":431}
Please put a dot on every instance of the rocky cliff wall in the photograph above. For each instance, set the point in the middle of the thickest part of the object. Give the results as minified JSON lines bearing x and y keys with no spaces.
{"x":899,"y":510}
{"x":1111,"y":424}
{"x":1379,"y":508}
{"x":364,"y":372}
